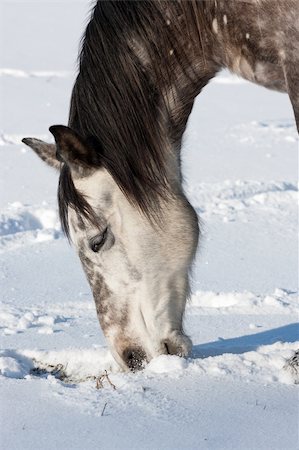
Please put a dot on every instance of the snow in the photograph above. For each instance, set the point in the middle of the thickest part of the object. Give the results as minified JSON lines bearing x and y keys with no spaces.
{"x":240,"y":166}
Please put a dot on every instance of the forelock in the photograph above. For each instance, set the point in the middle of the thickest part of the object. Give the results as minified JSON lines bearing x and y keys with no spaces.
{"x":70,"y":197}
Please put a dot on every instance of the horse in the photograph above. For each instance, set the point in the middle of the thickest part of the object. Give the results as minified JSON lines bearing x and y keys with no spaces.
{"x":120,"y":195}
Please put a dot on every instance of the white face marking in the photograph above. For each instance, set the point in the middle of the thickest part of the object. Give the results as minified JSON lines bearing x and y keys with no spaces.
{"x":247,"y":35}
{"x":215,"y":26}
{"x":145,"y":272}
{"x":225,"y":19}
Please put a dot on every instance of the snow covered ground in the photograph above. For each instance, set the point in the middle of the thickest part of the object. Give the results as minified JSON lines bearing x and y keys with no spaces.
{"x":240,"y":166}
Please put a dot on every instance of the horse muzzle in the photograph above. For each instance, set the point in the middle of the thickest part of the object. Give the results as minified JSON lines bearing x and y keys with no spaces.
{"x":134,"y":357}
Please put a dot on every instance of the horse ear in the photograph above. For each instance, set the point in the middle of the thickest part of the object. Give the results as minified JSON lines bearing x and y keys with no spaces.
{"x":47,"y":152}
{"x":73,"y":149}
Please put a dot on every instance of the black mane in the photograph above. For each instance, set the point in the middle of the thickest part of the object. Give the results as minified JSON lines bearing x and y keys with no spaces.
{"x":129,"y":62}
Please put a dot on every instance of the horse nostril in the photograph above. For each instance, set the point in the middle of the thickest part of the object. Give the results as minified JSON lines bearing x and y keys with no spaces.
{"x":134,"y":358}
{"x":177,"y":344}
{"x":172,"y":348}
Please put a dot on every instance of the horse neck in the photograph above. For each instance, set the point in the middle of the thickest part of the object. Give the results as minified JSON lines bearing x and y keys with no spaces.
{"x":193,"y":62}
{"x":166,"y":61}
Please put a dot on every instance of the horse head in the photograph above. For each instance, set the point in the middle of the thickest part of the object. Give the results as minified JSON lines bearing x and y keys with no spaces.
{"x":137,"y":266}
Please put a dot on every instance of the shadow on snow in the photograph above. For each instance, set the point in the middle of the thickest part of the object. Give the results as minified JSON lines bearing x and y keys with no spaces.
{"x":243,"y":344}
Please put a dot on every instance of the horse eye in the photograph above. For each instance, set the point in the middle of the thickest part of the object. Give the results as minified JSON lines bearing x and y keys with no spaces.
{"x":97,"y":242}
